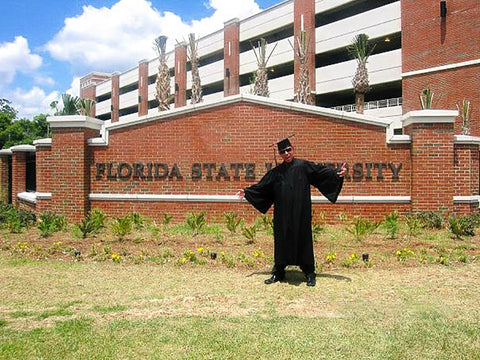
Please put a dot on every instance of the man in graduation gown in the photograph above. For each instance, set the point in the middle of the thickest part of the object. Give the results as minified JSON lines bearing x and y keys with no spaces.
{"x":287,"y":187}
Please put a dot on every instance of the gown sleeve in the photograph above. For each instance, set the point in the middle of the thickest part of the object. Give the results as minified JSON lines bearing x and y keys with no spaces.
{"x":325,"y":179}
{"x":261,"y":195}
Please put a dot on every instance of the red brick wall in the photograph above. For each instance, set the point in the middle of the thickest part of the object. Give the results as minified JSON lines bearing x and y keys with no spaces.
{"x":70,"y":172}
{"x":4,"y":175}
{"x":466,"y":161}
{"x":89,"y":93}
{"x":45,"y":170}
{"x":433,"y":174}
{"x":180,"y":75}
{"x":429,"y":41}
{"x":19,"y":173}
{"x":241,"y":133}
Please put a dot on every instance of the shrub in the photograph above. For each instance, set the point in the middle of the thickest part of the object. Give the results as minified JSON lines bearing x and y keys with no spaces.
{"x":167,"y":219}
{"x":362,"y":227}
{"x":97,"y":218}
{"x":232,"y":221}
{"x":121,"y":227}
{"x":414,"y":224}
{"x":86,"y":227}
{"x":431,"y":219}
{"x":50,"y":223}
{"x":250,"y":232}
{"x":265,"y":222}
{"x":137,"y":220}
{"x":461,"y":226}
{"x":391,"y":224}
{"x":196,"y":222}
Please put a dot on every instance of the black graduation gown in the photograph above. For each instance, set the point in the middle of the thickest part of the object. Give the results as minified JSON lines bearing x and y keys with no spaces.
{"x":287,"y":186}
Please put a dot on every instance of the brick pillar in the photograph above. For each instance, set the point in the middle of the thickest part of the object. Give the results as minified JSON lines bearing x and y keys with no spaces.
{"x":432,"y":154}
{"x":467,"y":161}
{"x":115,"y":97}
{"x":143,"y":88}
{"x":181,"y":74}
{"x":5,"y":158}
{"x":70,"y":158}
{"x":88,"y":87}
{"x":44,"y":173}
{"x":304,"y":19}
{"x":19,"y":170}
{"x":231,"y":57}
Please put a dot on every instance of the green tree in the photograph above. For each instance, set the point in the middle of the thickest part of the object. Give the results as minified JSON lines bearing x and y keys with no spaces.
{"x":7,"y":114}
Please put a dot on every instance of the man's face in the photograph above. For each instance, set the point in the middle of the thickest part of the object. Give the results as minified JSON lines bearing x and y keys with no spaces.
{"x":287,"y":154}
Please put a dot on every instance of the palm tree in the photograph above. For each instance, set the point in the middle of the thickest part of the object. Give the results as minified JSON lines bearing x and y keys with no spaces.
{"x":360,"y":49}
{"x":85,"y":106}
{"x":193,"y":57}
{"x":163,"y":76}
{"x":302,"y":94}
{"x":260,"y":86}
{"x":70,"y":104}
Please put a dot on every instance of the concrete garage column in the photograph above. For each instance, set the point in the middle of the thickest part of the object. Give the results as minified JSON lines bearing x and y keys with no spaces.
{"x":231,"y":58}
{"x":70,"y":162}
{"x":432,"y":154}
{"x":181,"y":74}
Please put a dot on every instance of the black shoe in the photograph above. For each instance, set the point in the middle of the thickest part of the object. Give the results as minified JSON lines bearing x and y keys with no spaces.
{"x":273,"y":279}
{"x":311,"y":280}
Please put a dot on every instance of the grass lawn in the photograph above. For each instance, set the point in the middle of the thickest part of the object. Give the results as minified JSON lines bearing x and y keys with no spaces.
{"x":163,"y":296}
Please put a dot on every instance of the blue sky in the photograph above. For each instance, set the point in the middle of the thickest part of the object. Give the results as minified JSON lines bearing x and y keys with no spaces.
{"x":46,"y":46}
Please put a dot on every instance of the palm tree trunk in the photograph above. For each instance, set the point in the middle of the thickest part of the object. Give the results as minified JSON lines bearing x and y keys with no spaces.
{"x":359,"y":102}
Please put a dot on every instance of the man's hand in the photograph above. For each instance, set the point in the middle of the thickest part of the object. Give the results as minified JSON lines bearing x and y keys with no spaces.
{"x":241,"y":194}
{"x":343,"y":170}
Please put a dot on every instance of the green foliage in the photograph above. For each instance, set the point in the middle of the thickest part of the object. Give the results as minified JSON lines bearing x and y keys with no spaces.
{"x":167,"y":219}
{"x":196,"y":222}
{"x":431,"y":219}
{"x":362,"y":227}
{"x":97,"y":218}
{"x":22,"y":131}
{"x":122,"y":227}
{"x":391,"y":224}
{"x":250,"y":232}
{"x":360,"y":48}
{"x":403,"y":254}
{"x":264,"y":222}
{"x":316,"y":230}
{"x":461,"y":226}
{"x":414,"y":224}
{"x":50,"y":223}
{"x":137,"y":220}
{"x":6,"y":211}
{"x":86,"y":227}
{"x":232,"y":221}
{"x":426,"y":98}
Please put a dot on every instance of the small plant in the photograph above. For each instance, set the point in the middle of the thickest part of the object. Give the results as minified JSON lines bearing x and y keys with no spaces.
{"x":122,"y":227}
{"x":197,"y":222}
{"x":362,"y":227}
{"x":86,"y":227}
{"x":97,"y":218}
{"x":414,"y":224}
{"x":21,"y":247}
{"x":116,"y":258}
{"x":14,"y":225}
{"x":426,"y":98}
{"x":228,"y":260}
{"x":316,"y":230}
{"x":461,"y":226}
{"x":137,"y":220}
{"x":191,"y":256}
{"x":250,"y":232}
{"x":259,"y":254}
{"x":391,"y":224}
{"x":350,"y":261}
{"x":431,"y":219}
{"x":232,"y":221}
{"x":50,"y":223}
{"x":330,"y":258}
{"x":167,"y":219}
{"x":403,"y":254}
{"x":264,"y":222}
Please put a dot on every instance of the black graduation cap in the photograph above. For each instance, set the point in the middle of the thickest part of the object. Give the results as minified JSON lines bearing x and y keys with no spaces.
{"x":283,"y":144}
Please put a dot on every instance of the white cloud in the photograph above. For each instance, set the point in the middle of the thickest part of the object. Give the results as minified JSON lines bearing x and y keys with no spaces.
{"x":16,"y":57}
{"x":116,"y":38}
{"x":32,"y":102}
{"x":74,"y":87}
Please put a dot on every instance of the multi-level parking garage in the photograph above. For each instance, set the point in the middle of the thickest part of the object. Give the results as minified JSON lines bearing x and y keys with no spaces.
{"x":336,"y":24}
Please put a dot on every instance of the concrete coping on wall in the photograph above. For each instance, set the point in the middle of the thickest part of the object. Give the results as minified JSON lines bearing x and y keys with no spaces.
{"x":75,"y":121}
{"x":260,"y":100}
{"x":429,"y":116}
{"x":23,"y":148}
{"x":32,"y":197}
{"x":5,"y":152}
{"x":466,"y":139}
{"x":43,"y":142}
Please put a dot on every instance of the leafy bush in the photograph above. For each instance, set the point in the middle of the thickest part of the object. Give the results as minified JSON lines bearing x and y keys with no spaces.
{"x":265,"y":222}
{"x":316,"y":230}
{"x":461,"y":226}
{"x":50,"y":223}
{"x":121,"y":227}
{"x":167,"y":219}
{"x":86,"y":227}
{"x":6,"y":211}
{"x":250,"y":232}
{"x":414,"y":224}
{"x":362,"y":227}
{"x":232,"y":221}
{"x":97,"y":219}
{"x":196,"y":222}
{"x":431,"y":219}
{"x":391,"y":224}
{"x":137,"y":220}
